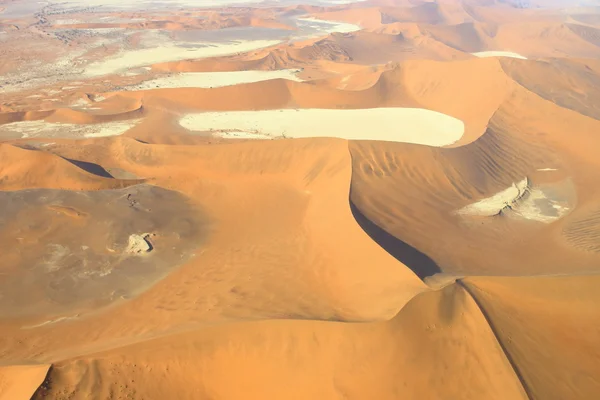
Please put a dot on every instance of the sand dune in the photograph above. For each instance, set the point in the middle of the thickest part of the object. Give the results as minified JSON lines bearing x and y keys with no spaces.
{"x":542,"y":349}
{"x":20,"y":382}
{"x":338,"y":354}
{"x":428,"y":229}
{"x":23,"y":169}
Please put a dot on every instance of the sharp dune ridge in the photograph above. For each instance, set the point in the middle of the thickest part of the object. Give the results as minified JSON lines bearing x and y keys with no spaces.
{"x":148,"y":255}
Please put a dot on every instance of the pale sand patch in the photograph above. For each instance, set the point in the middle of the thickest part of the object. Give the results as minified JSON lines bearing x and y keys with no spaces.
{"x":29,"y":129}
{"x":495,"y":204}
{"x":67,"y":22}
{"x":170,"y":52}
{"x":408,"y":125}
{"x":242,"y":135}
{"x":537,"y":206}
{"x":51,"y":321}
{"x":524,"y":201}
{"x":484,"y":54}
{"x":547,"y":169}
{"x":326,"y":26}
{"x":214,"y":79}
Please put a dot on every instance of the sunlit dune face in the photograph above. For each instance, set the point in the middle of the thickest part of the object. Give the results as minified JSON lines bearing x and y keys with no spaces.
{"x":408,"y":125}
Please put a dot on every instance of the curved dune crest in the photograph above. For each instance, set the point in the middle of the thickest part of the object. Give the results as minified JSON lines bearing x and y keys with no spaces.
{"x":24,"y":169}
{"x":409,"y":125}
{"x":556,"y":360}
{"x":442,"y":335}
{"x":20,"y":382}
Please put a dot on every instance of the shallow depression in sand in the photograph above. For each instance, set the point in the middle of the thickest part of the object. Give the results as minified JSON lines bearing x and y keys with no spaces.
{"x":171,"y":52}
{"x":485,"y":54}
{"x":214,"y":79}
{"x":408,"y":125}
{"x":41,"y":128}
{"x":69,"y":250}
{"x":542,"y":203}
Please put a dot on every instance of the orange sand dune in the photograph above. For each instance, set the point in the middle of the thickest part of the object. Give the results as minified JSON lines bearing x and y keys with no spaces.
{"x":433,"y":85}
{"x":164,"y":264}
{"x":575,"y":82}
{"x":24,"y":169}
{"x":470,"y":37}
{"x":8,"y":117}
{"x":20,"y":382}
{"x":397,"y":43}
{"x":552,"y":339}
{"x":429,"y":12}
{"x":545,"y":39}
{"x":310,"y":359}
{"x":448,"y":179}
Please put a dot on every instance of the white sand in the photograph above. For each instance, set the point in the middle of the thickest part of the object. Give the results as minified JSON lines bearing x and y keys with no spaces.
{"x":242,"y":135}
{"x":170,"y":52}
{"x":530,"y":207}
{"x":496,"y":203}
{"x":409,"y":125}
{"x":520,"y":200}
{"x":547,"y":169}
{"x":484,"y":54}
{"x":325,"y":26}
{"x":29,"y":129}
{"x":214,"y":79}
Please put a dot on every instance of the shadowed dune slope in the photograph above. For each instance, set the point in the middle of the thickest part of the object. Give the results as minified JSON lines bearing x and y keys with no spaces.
{"x":469,"y":37}
{"x":435,"y":183}
{"x":279,"y":212}
{"x":439,"y":345}
{"x":25,"y":169}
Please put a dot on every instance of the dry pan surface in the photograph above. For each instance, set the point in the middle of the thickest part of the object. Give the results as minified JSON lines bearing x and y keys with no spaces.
{"x":409,"y":125}
{"x":214,"y":79}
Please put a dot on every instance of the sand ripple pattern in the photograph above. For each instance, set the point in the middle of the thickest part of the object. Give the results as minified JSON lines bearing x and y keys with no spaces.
{"x":584,"y":232}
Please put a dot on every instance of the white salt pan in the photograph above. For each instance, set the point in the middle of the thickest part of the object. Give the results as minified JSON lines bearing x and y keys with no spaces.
{"x":409,"y":125}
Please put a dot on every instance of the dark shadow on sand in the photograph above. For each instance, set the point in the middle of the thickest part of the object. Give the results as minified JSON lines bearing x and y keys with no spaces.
{"x":419,"y":263}
{"x":91,"y":168}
